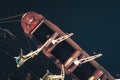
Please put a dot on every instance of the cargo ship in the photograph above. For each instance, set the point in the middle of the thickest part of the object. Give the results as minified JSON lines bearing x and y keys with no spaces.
{"x":39,"y":29}
{"x":56,"y":56}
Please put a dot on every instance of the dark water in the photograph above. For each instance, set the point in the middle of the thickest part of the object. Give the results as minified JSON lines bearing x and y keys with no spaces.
{"x":94,"y":23}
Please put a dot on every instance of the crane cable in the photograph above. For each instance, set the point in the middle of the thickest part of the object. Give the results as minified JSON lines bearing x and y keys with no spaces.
{"x":10,"y":21}
{"x":3,"y":20}
{"x":11,"y":17}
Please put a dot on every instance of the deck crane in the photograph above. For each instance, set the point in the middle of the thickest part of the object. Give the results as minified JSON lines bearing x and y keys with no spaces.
{"x":87,"y":59}
{"x":50,"y":76}
{"x":21,"y":59}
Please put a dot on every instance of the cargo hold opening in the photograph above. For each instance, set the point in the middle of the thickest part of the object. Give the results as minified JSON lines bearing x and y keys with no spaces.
{"x":43,"y":33}
{"x":84,"y":71}
{"x":63,"y":51}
